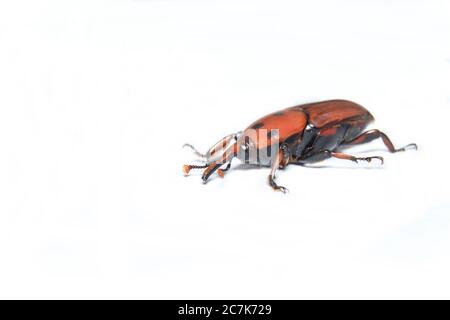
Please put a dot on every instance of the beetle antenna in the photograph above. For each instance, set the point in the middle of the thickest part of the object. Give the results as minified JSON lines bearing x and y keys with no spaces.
{"x":196,"y":152}
{"x":187,"y":168}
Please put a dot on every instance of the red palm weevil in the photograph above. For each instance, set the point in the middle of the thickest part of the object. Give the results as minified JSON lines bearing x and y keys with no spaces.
{"x":297,"y":135}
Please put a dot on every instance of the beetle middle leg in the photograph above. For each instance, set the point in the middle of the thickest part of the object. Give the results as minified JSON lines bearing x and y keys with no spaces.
{"x":370,"y":135}
{"x":275,"y":165}
{"x":324,"y":154}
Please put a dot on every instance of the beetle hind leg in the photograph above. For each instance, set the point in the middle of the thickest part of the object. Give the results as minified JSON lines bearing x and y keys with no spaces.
{"x":345,"y":156}
{"x":324,"y":154}
{"x":370,"y":135}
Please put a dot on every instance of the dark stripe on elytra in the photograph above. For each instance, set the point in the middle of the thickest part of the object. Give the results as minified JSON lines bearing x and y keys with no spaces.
{"x":258,"y":125}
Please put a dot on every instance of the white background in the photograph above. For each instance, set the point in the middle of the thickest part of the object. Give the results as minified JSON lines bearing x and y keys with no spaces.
{"x":97,"y":98}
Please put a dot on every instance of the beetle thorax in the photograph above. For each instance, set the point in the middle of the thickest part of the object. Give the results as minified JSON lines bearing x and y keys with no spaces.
{"x":258,"y":146}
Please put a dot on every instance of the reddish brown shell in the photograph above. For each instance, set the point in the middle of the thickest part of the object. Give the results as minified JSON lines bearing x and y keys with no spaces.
{"x":322,"y":114}
{"x":293,"y":120}
{"x":288,"y":122}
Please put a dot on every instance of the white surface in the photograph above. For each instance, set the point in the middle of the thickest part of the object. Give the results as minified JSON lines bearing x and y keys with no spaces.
{"x":97,"y":97}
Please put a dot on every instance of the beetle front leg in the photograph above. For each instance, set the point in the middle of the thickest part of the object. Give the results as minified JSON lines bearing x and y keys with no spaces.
{"x":214,"y":166}
{"x":221,"y":172}
{"x":275,"y":165}
{"x":210,"y":170}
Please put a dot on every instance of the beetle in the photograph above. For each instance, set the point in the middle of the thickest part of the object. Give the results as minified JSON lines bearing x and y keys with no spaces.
{"x":297,"y":135}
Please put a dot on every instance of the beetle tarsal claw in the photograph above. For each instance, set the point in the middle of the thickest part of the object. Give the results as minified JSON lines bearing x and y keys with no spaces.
{"x":369,"y":159}
{"x":410,"y":146}
{"x":407,"y":147}
{"x":282,"y":189}
{"x":380,"y":158}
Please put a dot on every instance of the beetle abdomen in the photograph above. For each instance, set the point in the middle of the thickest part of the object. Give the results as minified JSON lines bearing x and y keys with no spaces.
{"x":330,"y":123}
